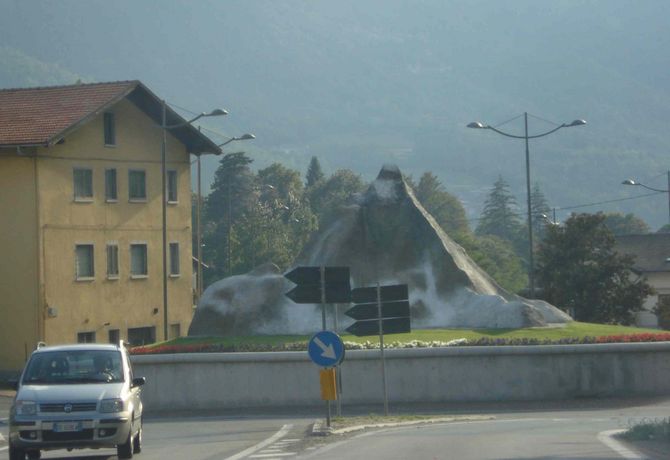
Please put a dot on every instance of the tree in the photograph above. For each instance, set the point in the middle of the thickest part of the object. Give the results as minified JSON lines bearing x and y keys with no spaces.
{"x":314,"y":172}
{"x":539,"y":209}
{"x":500,"y":218}
{"x":231,"y":197}
{"x":326,"y":196}
{"x":580,"y":271}
{"x":628,"y":224}
{"x":443,"y":206}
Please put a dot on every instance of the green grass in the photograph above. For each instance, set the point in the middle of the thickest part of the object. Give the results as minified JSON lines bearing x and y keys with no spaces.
{"x":570,"y":330}
{"x":654,"y":429}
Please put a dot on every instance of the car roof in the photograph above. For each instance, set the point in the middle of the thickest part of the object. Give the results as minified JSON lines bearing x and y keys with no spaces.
{"x":79,"y":347}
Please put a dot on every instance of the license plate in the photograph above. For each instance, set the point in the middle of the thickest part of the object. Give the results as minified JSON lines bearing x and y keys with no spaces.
{"x":64,"y":427}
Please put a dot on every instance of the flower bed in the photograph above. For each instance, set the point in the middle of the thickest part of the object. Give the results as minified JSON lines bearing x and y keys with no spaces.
{"x":483,"y":341}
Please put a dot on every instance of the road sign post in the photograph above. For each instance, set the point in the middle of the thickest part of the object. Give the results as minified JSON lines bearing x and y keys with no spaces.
{"x":320,"y":285}
{"x":380,"y":310}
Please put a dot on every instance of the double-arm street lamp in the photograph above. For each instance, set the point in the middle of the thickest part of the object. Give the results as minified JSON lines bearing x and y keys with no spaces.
{"x":198,"y":230}
{"x":164,"y":128}
{"x":526,"y":137}
{"x":634,"y":182}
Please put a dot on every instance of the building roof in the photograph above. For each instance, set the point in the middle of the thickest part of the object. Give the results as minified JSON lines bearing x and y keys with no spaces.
{"x":43,"y":116}
{"x":651,"y":251}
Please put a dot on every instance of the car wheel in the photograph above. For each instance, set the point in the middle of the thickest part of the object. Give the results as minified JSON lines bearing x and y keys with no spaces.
{"x":125,"y":450}
{"x":16,"y":453}
{"x":137,"y":441}
{"x":34,"y":455}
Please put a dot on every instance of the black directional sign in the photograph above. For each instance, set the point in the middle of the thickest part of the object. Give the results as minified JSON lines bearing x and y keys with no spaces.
{"x":371,"y":327}
{"x":387,"y":293}
{"x":388,"y":303}
{"x":309,"y":289}
{"x":370,"y":310}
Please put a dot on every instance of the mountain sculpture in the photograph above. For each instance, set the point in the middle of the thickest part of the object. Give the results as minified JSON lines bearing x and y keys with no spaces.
{"x":385,"y":236}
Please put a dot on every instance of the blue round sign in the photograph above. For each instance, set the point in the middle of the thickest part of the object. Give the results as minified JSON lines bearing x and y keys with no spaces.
{"x":326,"y":349}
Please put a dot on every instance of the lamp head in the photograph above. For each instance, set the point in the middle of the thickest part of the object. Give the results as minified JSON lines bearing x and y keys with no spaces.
{"x":576,"y":123}
{"x":629,"y":182}
{"x":215,"y":113}
{"x":246,"y":137}
{"x":476,"y":125}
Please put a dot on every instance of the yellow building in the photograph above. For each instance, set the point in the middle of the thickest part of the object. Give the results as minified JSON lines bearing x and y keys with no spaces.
{"x":81,"y":229}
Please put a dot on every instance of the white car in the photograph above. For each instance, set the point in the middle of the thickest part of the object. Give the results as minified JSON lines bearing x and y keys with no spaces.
{"x":76,"y":396}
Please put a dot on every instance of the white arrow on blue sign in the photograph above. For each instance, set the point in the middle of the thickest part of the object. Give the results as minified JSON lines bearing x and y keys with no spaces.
{"x":326,"y":349}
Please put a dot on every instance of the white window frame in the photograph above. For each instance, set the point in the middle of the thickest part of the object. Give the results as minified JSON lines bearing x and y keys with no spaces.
{"x":146,"y":191}
{"x":81,"y":199}
{"x":173,"y":274}
{"x":76,"y":261}
{"x":116,"y":185}
{"x":176,"y":186}
{"x":140,"y":276}
{"x":112,"y":244}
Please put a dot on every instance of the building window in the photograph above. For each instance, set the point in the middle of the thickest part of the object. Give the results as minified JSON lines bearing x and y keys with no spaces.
{"x":138,"y":260}
{"x":137,"y":185}
{"x":112,"y":261}
{"x":174,"y":259}
{"x":141,"y":335}
{"x":114,"y":336}
{"x":85,"y":337}
{"x":110,"y":185}
{"x":110,"y":128}
{"x":84,"y":267}
{"x":175,"y":330}
{"x":83,"y":184}
{"x":172,"y":186}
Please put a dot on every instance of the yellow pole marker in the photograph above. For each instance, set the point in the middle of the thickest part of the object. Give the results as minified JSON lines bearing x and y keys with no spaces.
{"x":328,"y":384}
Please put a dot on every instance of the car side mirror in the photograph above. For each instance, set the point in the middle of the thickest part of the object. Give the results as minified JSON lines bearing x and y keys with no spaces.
{"x":139,"y":381}
{"x":13,"y":384}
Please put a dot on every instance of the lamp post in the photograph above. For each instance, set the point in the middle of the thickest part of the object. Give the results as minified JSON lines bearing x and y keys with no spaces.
{"x":526,"y":137}
{"x":199,"y":287}
{"x":164,"y":129}
{"x":633,"y":182}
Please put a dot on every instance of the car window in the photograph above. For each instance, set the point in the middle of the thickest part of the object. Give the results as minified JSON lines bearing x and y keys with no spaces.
{"x":74,"y":366}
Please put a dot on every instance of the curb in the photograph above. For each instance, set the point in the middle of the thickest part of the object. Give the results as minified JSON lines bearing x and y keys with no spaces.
{"x":318,"y":429}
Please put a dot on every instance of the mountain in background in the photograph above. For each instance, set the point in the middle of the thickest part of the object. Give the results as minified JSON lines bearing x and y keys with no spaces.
{"x":359,"y":83}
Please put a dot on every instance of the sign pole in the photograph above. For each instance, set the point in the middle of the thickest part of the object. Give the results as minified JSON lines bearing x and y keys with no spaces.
{"x":381,"y":349}
{"x":338,"y":370}
{"x":322,"y":271}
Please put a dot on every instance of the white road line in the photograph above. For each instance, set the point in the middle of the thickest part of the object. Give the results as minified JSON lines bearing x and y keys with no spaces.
{"x":3,"y":448}
{"x":268,"y":456}
{"x":255,"y":448}
{"x":606,"y":437}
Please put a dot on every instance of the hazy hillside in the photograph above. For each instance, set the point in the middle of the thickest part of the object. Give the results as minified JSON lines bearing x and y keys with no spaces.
{"x":360,"y":83}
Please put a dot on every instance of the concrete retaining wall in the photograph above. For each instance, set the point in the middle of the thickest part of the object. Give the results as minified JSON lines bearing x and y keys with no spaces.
{"x":229,"y":380}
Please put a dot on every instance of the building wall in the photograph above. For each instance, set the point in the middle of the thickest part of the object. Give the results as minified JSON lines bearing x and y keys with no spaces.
{"x":19,"y":288}
{"x":288,"y":379}
{"x":101,"y":304}
{"x":661,"y":283}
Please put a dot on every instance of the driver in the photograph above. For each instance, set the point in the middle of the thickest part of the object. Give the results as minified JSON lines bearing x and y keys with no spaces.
{"x":103,"y":366}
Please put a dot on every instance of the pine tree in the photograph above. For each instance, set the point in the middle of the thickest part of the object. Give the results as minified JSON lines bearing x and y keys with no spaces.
{"x":540,"y":210}
{"x":443,"y":206}
{"x":314,"y":172}
{"x":500,"y":217}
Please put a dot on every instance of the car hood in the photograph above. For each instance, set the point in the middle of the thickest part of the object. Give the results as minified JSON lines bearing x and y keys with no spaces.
{"x":70,"y":393}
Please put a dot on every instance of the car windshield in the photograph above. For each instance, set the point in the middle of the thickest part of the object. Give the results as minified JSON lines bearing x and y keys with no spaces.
{"x":74,"y":366}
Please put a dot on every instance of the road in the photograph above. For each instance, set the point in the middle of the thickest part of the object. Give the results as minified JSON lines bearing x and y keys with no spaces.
{"x":572,"y":434}
{"x":566,"y":433}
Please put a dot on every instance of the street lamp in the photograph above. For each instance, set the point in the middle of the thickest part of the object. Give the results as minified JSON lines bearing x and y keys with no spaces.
{"x":198,"y":229}
{"x":164,"y":128}
{"x":633,"y":182}
{"x":479,"y":125}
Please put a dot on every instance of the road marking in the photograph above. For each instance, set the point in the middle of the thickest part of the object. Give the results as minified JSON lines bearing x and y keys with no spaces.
{"x":255,"y":448}
{"x":3,"y":448}
{"x":607,"y":438}
{"x":268,"y":456}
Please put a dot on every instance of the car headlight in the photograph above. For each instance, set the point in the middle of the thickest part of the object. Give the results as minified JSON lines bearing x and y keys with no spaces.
{"x":111,"y":405}
{"x":26,"y":407}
